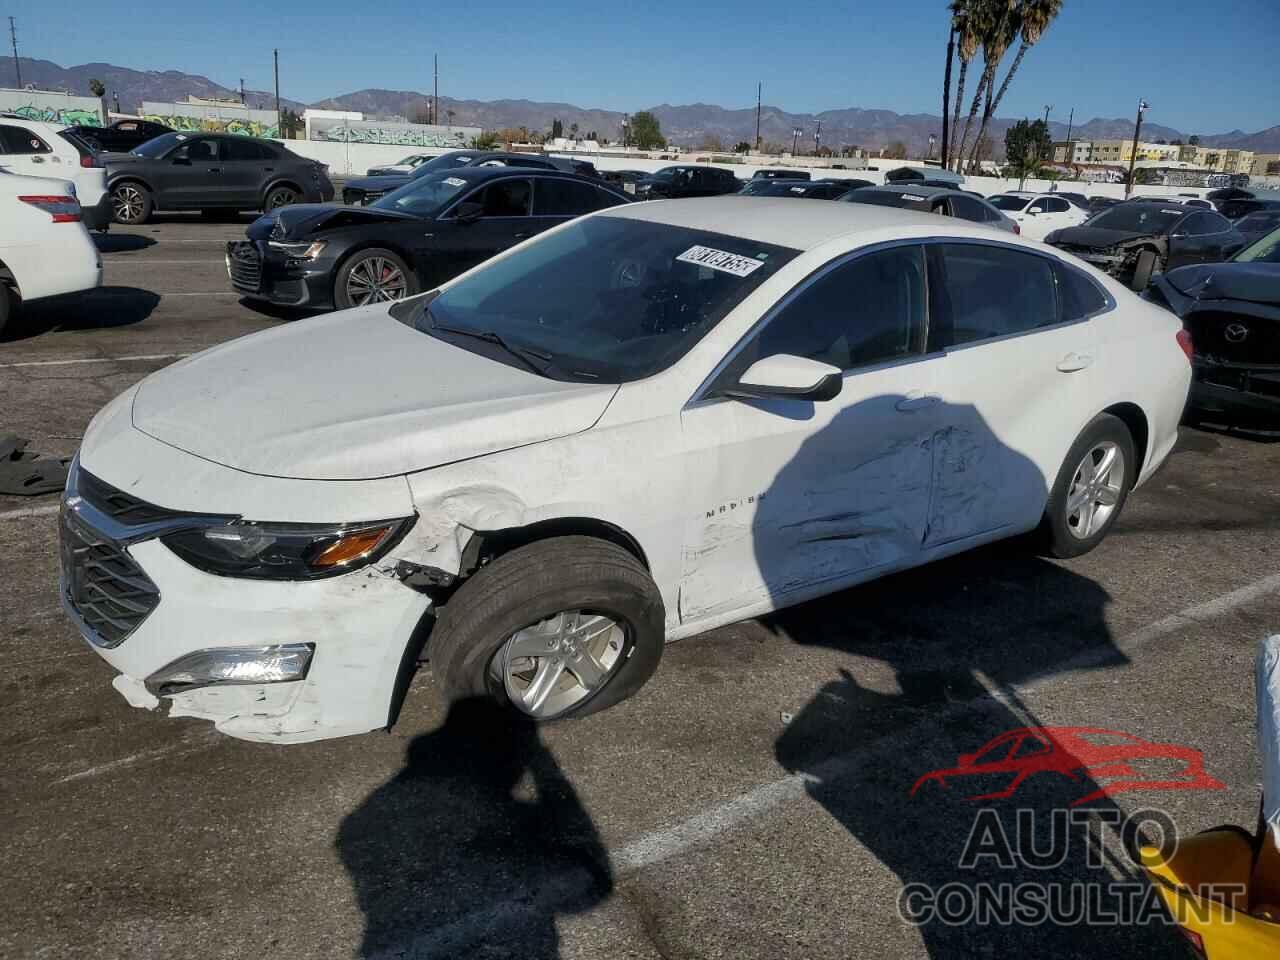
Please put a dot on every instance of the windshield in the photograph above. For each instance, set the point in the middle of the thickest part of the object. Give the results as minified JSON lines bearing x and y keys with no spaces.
{"x":446,"y":161}
{"x":1139,"y":217}
{"x":1265,"y":250}
{"x":158,"y":146}
{"x":1259,"y":222}
{"x":1005,"y":202}
{"x":422,"y":196}
{"x":641,"y":295}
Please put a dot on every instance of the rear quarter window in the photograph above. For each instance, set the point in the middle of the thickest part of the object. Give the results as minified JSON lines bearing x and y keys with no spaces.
{"x":1078,"y":295}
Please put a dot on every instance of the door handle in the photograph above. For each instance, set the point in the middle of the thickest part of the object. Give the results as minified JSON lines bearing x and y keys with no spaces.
{"x":1075,"y":361}
{"x":37,"y":159}
{"x":916,"y":401}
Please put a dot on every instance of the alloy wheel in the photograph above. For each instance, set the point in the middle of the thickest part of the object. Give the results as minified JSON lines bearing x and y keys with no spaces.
{"x":375,"y":279}
{"x":1095,"y":490}
{"x":281,"y":198}
{"x":126,"y":202}
{"x":555,"y":664}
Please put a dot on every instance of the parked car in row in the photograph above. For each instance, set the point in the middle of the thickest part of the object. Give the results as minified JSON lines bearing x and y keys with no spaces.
{"x":680,"y":182}
{"x":781,"y":173}
{"x":654,"y":420}
{"x":1098,"y":204}
{"x":807,"y":189}
{"x":1255,"y":226}
{"x":625,"y":180}
{"x":1232,"y":311}
{"x":210,"y":172}
{"x":1242,"y":207}
{"x":365,"y":190}
{"x":1135,"y":240}
{"x":34,"y":148}
{"x":402,"y":167}
{"x":1039,"y":214}
{"x":415,"y":238}
{"x":45,"y":249}
{"x":122,"y":135}
{"x":943,"y":201}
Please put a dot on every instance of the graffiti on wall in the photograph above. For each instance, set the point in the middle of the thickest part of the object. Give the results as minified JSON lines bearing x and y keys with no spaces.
{"x":391,"y":134}
{"x":71,"y":116}
{"x":246,"y":128}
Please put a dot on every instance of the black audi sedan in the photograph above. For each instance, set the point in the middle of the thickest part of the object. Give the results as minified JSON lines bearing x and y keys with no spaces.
{"x":1137,"y":239}
{"x":430,"y":230}
{"x":209,"y":172}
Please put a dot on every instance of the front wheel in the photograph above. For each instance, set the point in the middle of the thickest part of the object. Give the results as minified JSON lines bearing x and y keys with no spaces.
{"x":559,"y":628}
{"x":373,"y":276}
{"x":6,"y":305}
{"x":131,"y":204}
{"x":1091,"y":487}
{"x":1143,"y":269}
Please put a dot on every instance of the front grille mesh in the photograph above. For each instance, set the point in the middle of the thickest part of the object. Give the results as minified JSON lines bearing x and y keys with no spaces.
{"x":1235,"y":338}
{"x":108,"y":590}
{"x":245,"y":265}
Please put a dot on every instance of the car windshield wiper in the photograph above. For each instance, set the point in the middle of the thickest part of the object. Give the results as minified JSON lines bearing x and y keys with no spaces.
{"x":535,"y":360}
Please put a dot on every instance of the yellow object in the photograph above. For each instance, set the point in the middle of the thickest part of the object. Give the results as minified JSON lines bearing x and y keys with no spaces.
{"x":1208,"y":882}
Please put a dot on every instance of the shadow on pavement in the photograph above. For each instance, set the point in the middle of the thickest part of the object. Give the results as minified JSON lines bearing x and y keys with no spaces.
{"x":121,"y":242}
{"x":98,"y":309}
{"x":478,"y":835}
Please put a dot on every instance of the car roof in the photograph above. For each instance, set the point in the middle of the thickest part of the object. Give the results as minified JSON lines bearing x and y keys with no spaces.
{"x":781,"y":221}
{"x":477,"y":173}
{"x":915,"y":189}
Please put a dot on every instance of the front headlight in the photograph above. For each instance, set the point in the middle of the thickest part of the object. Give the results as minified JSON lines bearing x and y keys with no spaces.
{"x":306,"y":250}
{"x":286,"y":551}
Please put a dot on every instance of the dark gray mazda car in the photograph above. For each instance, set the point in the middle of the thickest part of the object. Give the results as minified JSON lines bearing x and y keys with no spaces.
{"x":210,"y":172}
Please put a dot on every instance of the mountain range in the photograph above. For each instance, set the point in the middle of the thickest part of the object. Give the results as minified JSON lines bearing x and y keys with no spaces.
{"x":686,"y":124}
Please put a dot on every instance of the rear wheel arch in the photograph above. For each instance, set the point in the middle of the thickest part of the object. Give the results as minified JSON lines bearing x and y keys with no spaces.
{"x":276,"y":184}
{"x":1135,"y":419}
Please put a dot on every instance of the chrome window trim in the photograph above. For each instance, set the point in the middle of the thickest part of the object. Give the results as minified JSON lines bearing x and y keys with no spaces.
{"x":700,"y":394}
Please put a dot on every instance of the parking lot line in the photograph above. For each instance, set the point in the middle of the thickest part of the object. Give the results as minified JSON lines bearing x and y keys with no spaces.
{"x":709,"y":825}
{"x":56,"y":363}
{"x":25,"y":512}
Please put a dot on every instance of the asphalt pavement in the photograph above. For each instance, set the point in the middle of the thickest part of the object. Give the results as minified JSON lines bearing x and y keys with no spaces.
{"x":754,"y":800}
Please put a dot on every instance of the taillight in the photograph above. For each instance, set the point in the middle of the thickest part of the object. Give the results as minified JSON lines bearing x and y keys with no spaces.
{"x":1017,"y":229}
{"x":90,"y":160}
{"x":62,"y":209}
{"x":1184,"y":341}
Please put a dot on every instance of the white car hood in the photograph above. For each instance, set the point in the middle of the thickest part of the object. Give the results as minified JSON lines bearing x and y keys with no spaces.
{"x":353,"y":396}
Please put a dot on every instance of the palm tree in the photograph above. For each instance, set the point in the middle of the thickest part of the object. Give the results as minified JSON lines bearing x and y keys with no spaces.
{"x":999,"y":28}
{"x":1034,"y":17}
{"x":963,"y":29}
{"x":983,"y":18}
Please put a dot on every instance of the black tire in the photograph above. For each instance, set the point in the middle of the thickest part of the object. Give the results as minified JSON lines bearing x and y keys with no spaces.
{"x":1057,"y":530}
{"x":1142,"y":270}
{"x":6,"y":305}
{"x":280,"y":196}
{"x":538,"y":581}
{"x":343,"y":299}
{"x":131,"y":203}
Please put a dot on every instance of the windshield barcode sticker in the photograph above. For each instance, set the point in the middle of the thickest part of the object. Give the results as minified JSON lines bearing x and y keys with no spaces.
{"x":455,"y":181}
{"x":721,"y":260}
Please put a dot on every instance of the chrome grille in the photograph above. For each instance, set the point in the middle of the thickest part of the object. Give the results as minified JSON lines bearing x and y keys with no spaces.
{"x":244,"y":264}
{"x":107,"y":590}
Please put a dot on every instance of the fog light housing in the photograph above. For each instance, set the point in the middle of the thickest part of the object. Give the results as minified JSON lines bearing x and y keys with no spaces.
{"x":233,"y":665}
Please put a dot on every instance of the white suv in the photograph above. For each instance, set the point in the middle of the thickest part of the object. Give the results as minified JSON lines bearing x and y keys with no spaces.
{"x":45,"y":249}
{"x":34,"y":148}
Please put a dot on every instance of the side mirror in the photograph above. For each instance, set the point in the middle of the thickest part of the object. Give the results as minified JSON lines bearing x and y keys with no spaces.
{"x":1033,"y":213}
{"x":469,"y":211}
{"x":783,"y":375}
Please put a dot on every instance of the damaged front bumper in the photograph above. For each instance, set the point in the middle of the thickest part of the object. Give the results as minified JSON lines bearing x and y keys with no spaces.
{"x":1245,"y":394}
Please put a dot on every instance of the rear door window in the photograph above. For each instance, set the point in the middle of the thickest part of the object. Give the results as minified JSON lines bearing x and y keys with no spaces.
{"x":981,"y":291}
{"x":244,"y":150}
{"x":563,"y":198}
{"x":506,"y":198}
{"x":19,"y":140}
{"x":968,"y":208}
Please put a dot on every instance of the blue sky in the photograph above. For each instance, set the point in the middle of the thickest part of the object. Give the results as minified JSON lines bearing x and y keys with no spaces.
{"x":1204,"y":68}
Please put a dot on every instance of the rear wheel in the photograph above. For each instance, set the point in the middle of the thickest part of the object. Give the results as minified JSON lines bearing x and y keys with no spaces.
{"x":1091,"y":487}
{"x":6,"y":305}
{"x":280,"y":197}
{"x":131,"y":204}
{"x":561,"y":627}
{"x":373,"y":276}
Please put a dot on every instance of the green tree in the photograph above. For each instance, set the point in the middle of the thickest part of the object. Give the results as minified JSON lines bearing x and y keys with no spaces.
{"x":485,"y":141}
{"x":557,"y":129}
{"x":573,"y":130}
{"x":742,"y":147}
{"x":646,"y":132}
{"x":1033,"y":19}
{"x":99,"y":90}
{"x":896,"y":150}
{"x":1026,"y":147}
{"x":1195,"y":140}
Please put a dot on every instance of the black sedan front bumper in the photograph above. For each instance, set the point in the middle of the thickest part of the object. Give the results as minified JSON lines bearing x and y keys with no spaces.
{"x":1243,"y":395}
{"x":259,"y":272}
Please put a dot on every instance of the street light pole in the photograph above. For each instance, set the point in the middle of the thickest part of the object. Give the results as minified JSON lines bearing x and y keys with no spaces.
{"x":13,"y":38}
{"x":795,"y":137}
{"x":1133,"y":154}
{"x":275,"y":54}
{"x":932,"y":139}
{"x":759,"y":90}
{"x":817,"y":139}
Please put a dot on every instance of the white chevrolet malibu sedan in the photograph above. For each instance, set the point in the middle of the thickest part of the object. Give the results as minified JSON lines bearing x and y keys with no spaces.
{"x":638,"y":426}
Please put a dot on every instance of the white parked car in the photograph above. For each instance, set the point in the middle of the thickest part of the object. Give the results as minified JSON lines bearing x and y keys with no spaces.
{"x":34,"y":148}
{"x":643,"y":424}
{"x":44,"y":247}
{"x":405,"y":165}
{"x":1038,"y":215}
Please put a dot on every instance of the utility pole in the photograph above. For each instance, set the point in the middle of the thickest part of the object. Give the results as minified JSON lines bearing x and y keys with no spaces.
{"x":242,"y":89}
{"x":1070,"y":118}
{"x":13,"y":37}
{"x":817,"y":139}
{"x":1133,"y":155}
{"x":435,"y":102}
{"x":759,"y":89}
{"x":275,"y":54}
{"x":795,"y":136}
